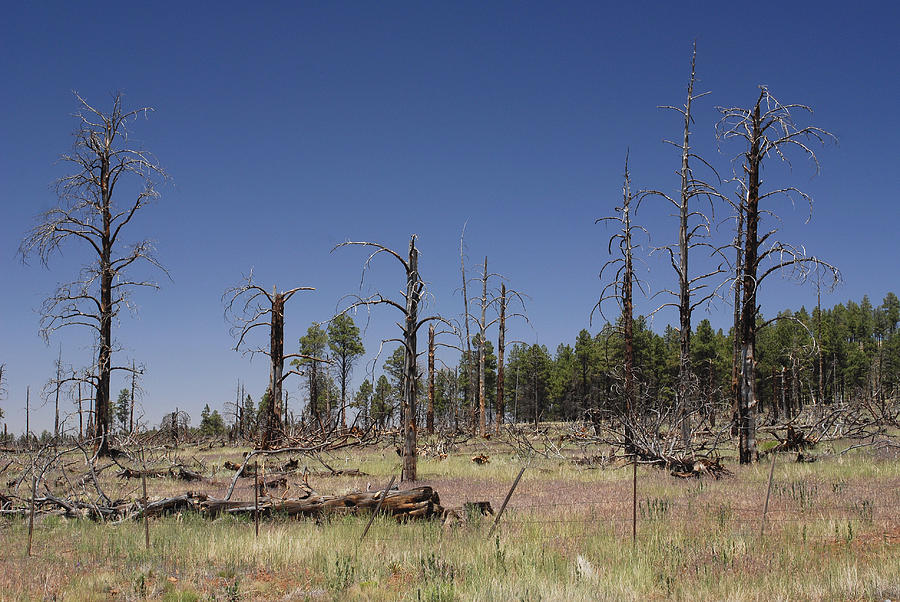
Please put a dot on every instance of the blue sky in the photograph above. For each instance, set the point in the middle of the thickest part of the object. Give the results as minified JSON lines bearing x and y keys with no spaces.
{"x":289,"y":128}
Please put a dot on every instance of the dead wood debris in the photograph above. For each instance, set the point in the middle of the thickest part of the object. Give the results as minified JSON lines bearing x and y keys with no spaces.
{"x":794,"y":440}
{"x":421,"y":502}
{"x":686,"y":468}
{"x":176,"y":471}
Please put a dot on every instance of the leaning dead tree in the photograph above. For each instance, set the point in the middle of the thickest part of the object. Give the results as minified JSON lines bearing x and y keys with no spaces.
{"x":767,"y":129}
{"x":694,"y":231}
{"x":621,"y":290}
{"x":409,"y":308}
{"x":91,"y":214}
{"x":247,"y":307}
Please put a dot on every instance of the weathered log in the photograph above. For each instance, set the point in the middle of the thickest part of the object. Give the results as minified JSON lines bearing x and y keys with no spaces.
{"x":186,"y":501}
{"x":421,"y":502}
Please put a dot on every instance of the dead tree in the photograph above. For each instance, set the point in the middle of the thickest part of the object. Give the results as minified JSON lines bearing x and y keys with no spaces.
{"x":409,"y":307}
{"x":135,"y":389}
{"x":491,"y":299}
{"x":693,"y":234}
{"x":249,"y":306}
{"x":2,"y":386}
{"x":736,"y":327}
{"x":767,"y":129}
{"x":468,"y":342}
{"x":429,"y":413}
{"x":90,"y":211}
{"x":501,"y":348}
{"x":58,"y":384}
{"x":482,"y":331}
{"x":28,"y":416}
{"x":621,"y":289}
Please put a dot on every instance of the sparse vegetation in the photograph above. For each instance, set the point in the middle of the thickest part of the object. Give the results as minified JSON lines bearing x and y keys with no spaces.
{"x":832,"y":534}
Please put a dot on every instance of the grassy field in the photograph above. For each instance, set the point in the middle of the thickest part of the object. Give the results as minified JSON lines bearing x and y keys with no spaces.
{"x":832,"y":533}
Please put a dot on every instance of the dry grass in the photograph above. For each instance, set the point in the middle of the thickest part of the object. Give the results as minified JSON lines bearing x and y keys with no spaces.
{"x":833,"y":533}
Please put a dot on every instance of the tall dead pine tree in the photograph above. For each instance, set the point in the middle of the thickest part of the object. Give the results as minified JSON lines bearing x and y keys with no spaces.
{"x":768,"y":129}
{"x":409,"y":307}
{"x":91,"y":212}
{"x":429,"y":414}
{"x":621,"y":289}
{"x":501,"y":348}
{"x":693,"y":228}
{"x":470,"y":389}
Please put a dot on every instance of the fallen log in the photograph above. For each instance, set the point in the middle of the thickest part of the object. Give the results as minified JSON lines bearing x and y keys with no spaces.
{"x":421,"y":502}
{"x":187,"y":501}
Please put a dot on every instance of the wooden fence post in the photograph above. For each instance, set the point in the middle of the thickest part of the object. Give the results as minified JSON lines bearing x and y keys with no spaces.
{"x":31,"y":515}
{"x":762,"y":524}
{"x":256,"y":496}
{"x":634,"y":500}
{"x":378,"y":507}
{"x":506,"y":501}
{"x":144,"y":486}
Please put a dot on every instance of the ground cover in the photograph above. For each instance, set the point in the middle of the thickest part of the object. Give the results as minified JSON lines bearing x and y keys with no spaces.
{"x":832,"y":531}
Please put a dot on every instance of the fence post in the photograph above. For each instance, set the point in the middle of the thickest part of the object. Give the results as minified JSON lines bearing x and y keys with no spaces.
{"x":31,"y":515}
{"x":144,"y":486}
{"x":634,"y":500}
{"x":256,"y":496}
{"x":378,"y":507}
{"x":762,"y":524}
{"x":506,"y":501}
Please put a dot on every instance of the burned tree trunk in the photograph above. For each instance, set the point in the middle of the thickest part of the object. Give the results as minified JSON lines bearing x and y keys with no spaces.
{"x":57,"y":384}
{"x":748,"y":399}
{"x":481,"y":351}
{"x":795,"y":388}
{"x":628,"y":324}
{"x":414,"y":289}
{"x":412,"y":297}
{"x":272,"y":419}
{"x":768,"y":130}
{"x":736,"y":328}
{"x":104,"y":356}
{"x":429,"y":416}
{"x":131,"y":400}
{"x":501,"y":346}
{"x":622,"y":291}
{"x":258,"y":308}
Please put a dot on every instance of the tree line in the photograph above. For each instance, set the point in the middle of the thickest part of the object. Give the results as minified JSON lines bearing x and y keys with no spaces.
{"x":844,"y":354}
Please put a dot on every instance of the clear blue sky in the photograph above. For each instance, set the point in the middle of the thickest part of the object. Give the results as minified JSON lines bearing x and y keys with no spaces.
{"x":290,"y":128}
